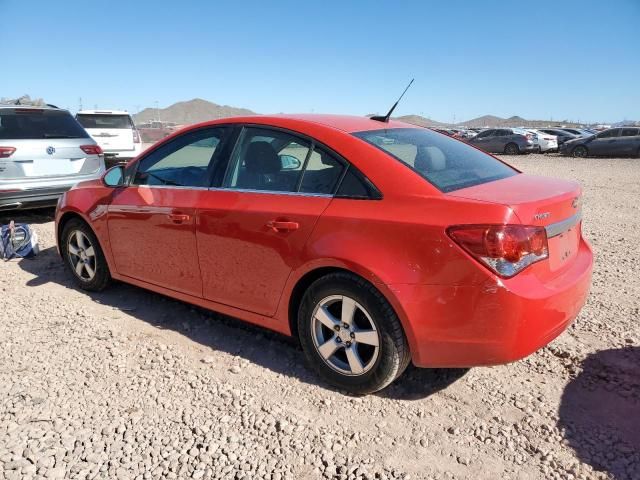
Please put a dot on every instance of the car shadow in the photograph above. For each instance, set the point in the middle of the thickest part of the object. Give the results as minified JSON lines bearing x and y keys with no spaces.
{"x":36,"y":216}
{"x":257,"y":345}
{"x":600,"y":412}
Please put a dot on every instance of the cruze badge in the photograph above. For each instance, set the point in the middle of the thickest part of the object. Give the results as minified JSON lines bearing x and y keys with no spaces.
{"x":541,"y":216}
{"x":51,"y":150}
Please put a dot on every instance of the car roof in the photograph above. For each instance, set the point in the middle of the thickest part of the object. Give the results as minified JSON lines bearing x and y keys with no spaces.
{"x":345,"y":123}
{"x":103,"y":112}
{"x":30,"y":107}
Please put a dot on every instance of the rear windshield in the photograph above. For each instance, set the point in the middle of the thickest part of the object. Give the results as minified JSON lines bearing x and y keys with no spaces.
{"x":104,"y":121}
{"x":446,"y":163}
{"x":21,"y":124}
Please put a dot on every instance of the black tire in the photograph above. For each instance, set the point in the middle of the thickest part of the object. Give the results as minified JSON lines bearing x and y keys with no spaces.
{"x":511,"y":149}
{"x":101,"y":275}
{"x":393,"y":354}
{"x":580,"y":152}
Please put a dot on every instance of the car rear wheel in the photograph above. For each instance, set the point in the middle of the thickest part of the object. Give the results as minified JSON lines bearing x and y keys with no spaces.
{"x":511,"y":149}
{"x":84,"y":257}
{"x":351,"y":335}
{"x":580,"y":151}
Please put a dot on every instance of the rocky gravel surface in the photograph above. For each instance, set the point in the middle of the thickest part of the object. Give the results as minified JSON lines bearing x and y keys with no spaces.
{"x":127,"y":384}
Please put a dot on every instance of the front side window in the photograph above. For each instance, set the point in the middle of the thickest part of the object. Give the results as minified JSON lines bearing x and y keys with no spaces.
{"x":31,"y":124}
{"x":609,"y":133}
{"x":183,"y":162}
{"x":446,"y":163}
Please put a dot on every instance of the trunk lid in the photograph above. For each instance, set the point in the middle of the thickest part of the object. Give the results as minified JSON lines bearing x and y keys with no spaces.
{"x":112,"y":131}
{"x":540,"y":201}
{"x":40,"y":158}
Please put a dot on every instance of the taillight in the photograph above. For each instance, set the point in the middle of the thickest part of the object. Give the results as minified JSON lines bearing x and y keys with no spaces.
{"x":505,"y":249}
{"x":91,"y":149}
{"x":136,"y":136}
{"x":6,"y":152}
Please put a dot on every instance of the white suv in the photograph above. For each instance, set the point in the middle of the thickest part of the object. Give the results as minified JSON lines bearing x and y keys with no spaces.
{"x":43,"y":153}
{"x":114,"y":131}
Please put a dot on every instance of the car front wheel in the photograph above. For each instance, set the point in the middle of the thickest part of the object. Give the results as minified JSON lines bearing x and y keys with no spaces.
{"x":84,"y":257}
{"x":351,"y":335}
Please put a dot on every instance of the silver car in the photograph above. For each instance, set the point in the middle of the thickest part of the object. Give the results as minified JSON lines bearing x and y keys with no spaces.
{"x":44,"y":151}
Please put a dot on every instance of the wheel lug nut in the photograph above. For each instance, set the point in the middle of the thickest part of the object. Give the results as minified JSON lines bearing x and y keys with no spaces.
{"x":337,"y":328}
{"x":345,"y":325}
{"x":339,"y":340}
{"x":353,"y":335}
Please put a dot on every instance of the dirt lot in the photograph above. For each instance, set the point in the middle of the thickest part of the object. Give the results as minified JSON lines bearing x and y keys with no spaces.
{"x":127,"y":384}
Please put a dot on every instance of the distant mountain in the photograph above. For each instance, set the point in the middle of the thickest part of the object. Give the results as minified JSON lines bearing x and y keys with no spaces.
{"x":191,"y":111}
{"x":515,"y":121}
{"x":420,"y":121}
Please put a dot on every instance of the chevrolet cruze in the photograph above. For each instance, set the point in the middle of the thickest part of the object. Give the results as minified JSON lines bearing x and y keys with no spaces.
{"x":376,"y":243}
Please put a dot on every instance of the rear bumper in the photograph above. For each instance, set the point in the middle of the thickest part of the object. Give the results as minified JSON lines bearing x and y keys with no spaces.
{"x":492,"y":323}
{"x":35,"y":193}
{"x":31,"y":197}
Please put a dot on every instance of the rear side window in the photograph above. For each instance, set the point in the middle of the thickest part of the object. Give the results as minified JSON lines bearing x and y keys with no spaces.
{"x":446,"y":163}
{"x":322,"y":173}
{"x":31,"y":124}
{"x":104,"y":121}
{"x":629,"y":132}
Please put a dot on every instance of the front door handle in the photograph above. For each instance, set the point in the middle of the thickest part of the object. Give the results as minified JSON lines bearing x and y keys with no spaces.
{"x":178,"y":217}
{"x":282,"y":226}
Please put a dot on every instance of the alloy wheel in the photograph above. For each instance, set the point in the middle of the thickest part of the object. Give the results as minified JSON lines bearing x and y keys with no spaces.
{"x":82,"y":256}
{"x":344,"y":335}
{"x":580,"y":151}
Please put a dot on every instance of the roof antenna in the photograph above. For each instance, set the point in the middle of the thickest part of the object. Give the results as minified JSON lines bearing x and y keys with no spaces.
{"x":386,"y":118}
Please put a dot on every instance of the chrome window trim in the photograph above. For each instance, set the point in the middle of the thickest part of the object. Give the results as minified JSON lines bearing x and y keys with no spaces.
{"x":240,"y":190}
{"x":555,"y":229}
{"x":271,"y":192}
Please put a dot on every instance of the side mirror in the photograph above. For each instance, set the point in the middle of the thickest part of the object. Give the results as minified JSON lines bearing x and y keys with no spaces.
{"x":114,"y":177}
{"x":289,"y":162}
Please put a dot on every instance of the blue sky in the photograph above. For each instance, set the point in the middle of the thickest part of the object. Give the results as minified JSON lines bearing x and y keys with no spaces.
{"x":578,"y":60}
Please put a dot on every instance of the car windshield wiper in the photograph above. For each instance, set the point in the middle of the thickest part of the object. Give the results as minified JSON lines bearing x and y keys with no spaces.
{"x":55,"y":135}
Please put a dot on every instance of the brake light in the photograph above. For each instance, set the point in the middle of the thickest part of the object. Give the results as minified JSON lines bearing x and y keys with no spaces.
{"x":136,"y":136}
{"x":91,"y":149}
{"x":6,"y":152}
{"x":504,"y":249}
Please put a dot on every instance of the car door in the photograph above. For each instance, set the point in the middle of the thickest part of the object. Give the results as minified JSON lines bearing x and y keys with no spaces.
{"x":151,"y":221}
{"x":629,"y":141}
{"x":482,"y":140}
{"x":252,"y":230}
{"x":605,"y":143}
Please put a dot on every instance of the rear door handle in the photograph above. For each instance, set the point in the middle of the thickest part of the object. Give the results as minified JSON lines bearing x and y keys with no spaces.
{"x":282,"y":226}
{"x":178,"y":217}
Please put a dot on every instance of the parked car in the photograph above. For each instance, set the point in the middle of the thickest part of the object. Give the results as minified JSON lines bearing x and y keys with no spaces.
{"x":562,"y":136}
{"x":376,"y":243}
{"x":511,"y":141}
{"x":546,"y":142}
{"x":115,"y":132}
{"x":579,"y":132}
{"x":44,"y":151}
{"x":622,"y":141}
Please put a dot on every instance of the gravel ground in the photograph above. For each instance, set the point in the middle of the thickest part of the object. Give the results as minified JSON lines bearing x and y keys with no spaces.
{"x":127,"y":384}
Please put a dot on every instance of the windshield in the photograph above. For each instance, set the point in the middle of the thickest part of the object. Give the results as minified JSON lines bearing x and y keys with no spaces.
{"x":104,"y":121}
{"x":21,"y":124}
{"x":446,"y":163}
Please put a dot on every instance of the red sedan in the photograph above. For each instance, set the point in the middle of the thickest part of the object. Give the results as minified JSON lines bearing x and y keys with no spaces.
{"x":376,"y":243}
